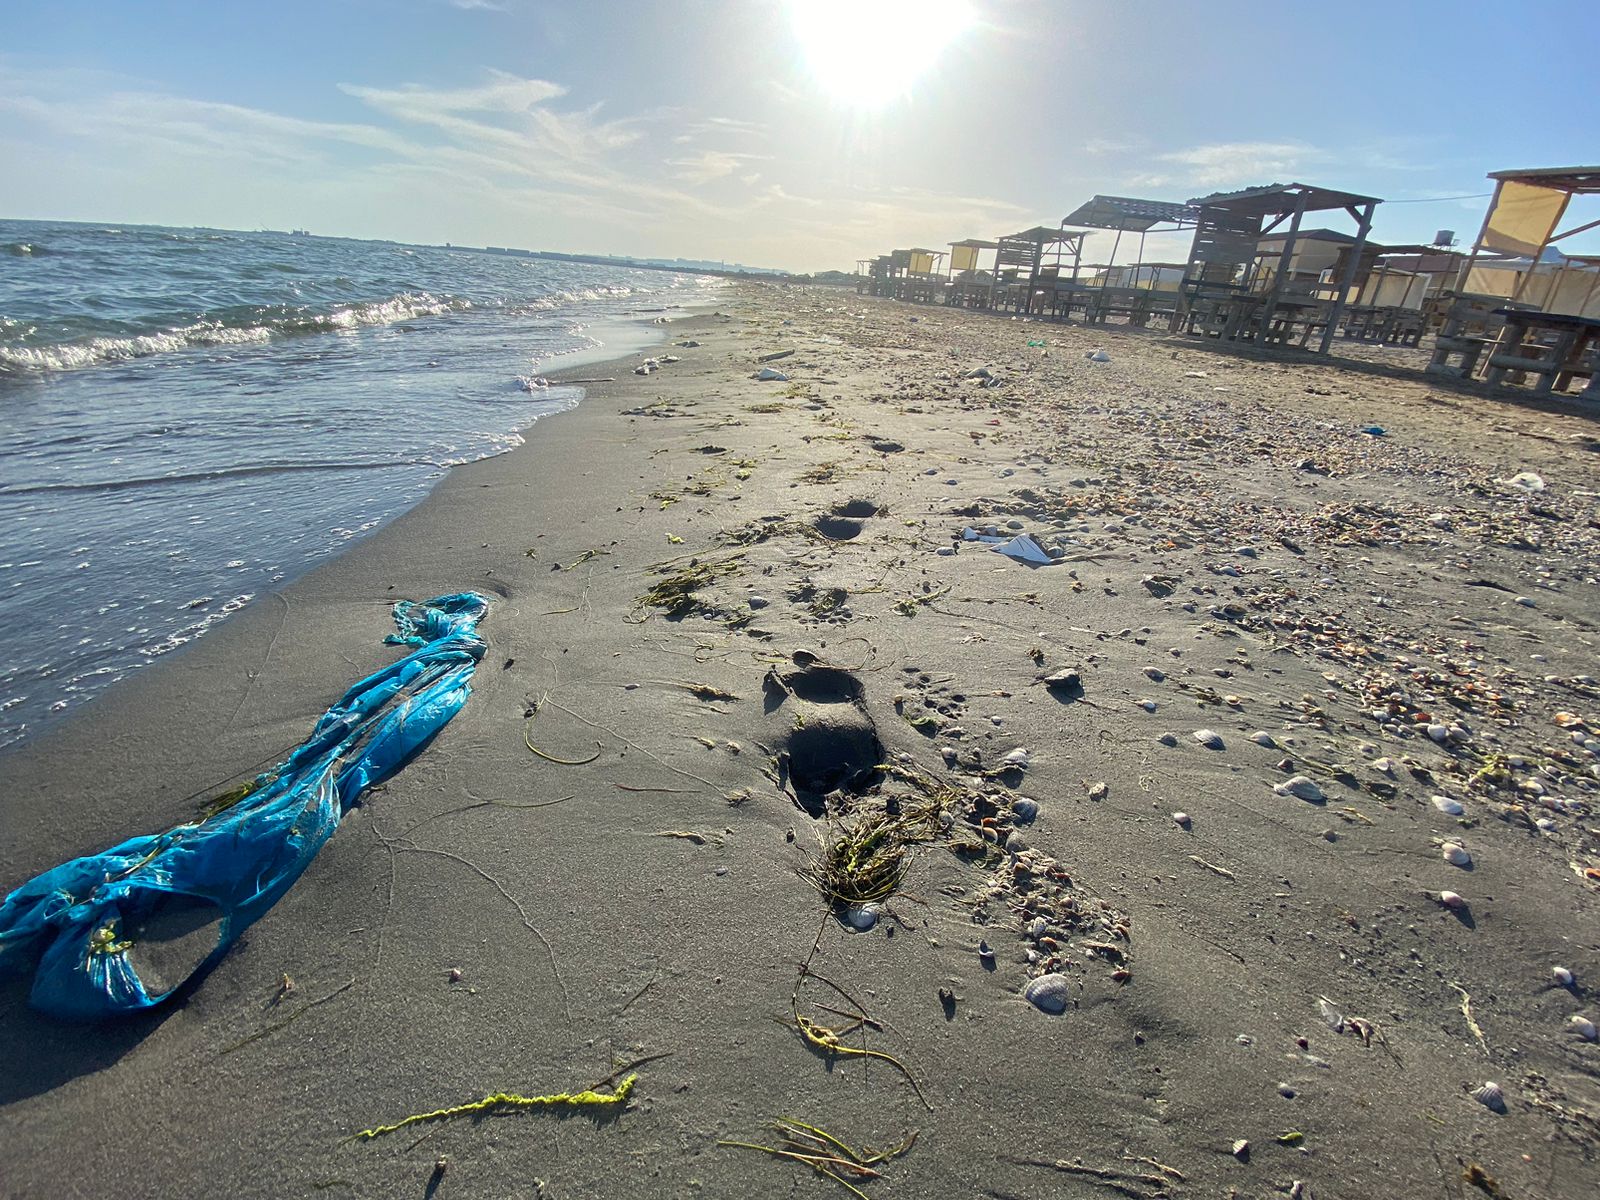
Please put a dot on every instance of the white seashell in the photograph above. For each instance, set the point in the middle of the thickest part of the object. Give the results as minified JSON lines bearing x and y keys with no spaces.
{"x":1049,"y":993}
{"x":1446,"y":805}
{"x":1017,"y":759}
{"x":1452,"y":900}
{"x":1181,"y":819}
{"x":1148,"y":705}
{"x":1301,"y":786}
{"x":1563,"y":976}
{"x":1439,"y":733}
{"x":1491,"y":1097}
{"x":1456,"y":854}
{"x":1584,"y":1027}
{"x":1099,"y":356}
{"x":1386,"y":765}
{"x":1209,"y":738}
{"x":1545,"y":825}
{"x":1263,"y":738}
{"x":861,"y":917}
{"x":1241,"y":1149}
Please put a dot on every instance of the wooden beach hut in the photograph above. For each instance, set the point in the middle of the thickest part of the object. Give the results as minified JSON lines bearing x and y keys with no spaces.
{"x":1138,"y":293}
{"x":969,"y":282}
{"x":1235,"y":289}
{"x":1021,"y":272}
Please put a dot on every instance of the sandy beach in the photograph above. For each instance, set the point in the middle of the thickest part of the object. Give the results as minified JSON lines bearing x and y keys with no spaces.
{"x":1296,"y":854}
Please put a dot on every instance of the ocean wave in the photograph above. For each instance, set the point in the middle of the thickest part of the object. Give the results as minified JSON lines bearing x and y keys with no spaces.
{"x":146,"y":481}
{"x":22,"y":249}
{"x":69,"y":356}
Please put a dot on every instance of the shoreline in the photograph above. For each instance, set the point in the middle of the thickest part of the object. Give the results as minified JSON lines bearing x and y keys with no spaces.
{"x":655,"y":907}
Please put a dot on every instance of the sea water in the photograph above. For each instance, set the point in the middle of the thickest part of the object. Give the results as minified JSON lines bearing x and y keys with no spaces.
{"x":190,"y":418}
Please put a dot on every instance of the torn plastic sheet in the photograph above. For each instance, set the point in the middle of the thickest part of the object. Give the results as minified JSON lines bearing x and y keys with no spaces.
{"x":1022,"y":547}
{"x":82,"y":921}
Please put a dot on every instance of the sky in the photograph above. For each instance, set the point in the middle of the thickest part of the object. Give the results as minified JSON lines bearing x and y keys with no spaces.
{"x":797,"y":135}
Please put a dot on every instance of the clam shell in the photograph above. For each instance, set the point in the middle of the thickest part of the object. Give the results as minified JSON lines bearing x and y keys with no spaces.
{"x":1490,"y":1096}
{"x":1456,"y":854}
{"x":1446,"y":805}
{"x":1452,"y":900}
{"x":1017,"y":759}
{"x":1262,"y":738}
{"x":1299,"y":785}
{"x":1563,"y":976}
{"x":1439,"y":733}
{"x":1386,"y":765}
{"x":1181,"y":819}
{"x":1209,"y":738}
{"x":1049,"y":993}
{"x":1584,"y":1027}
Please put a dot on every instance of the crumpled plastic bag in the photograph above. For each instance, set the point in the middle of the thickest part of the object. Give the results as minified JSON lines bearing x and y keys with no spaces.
{"x":80,"y":920}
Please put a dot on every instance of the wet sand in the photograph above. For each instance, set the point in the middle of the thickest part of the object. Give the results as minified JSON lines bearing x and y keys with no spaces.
{"x":1233,"y":555}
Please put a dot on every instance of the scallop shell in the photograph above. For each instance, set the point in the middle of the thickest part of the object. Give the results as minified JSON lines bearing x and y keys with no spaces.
{"x":1209,"y":738}
{"x":1452,"y":900}
{"x":1456,"y":854}
{"x":1584,"y":1027}
{"x":1262,"y":738}
{"x":1299,"y":785}
{"x":1562,"y":975}
{"x":1490,"y":1096}
{"x":1446,"y":805}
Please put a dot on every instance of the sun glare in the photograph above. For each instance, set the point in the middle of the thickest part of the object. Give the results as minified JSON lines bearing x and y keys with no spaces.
{"x":867,"y":53}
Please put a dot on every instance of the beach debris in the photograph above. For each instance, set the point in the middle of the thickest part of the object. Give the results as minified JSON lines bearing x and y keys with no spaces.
{"x":1168,"y":739}
{"x":1016,"y":760}
{"x":1453,"y":900}
{"x":979,"y":373}
{"x":774,"y":356}
{"x":1302,"y":787}
{"x":1065,"y":680}
{"x":1583,"y":1027}
{"x":986,"y":953}
{"x":771,"y":375}
{"x":825,"y":1154}
{"x":1262,"y":738}
{"x":1024,"y":549}
{"x":1491,"y":1096}
{"x":1211,"y":866}
{"x":1098,"y":356}
{"x":831,"y":1041}
{"x":1562,"y":975}
{"x":80,"y":920}
{"x":866,"y":859}
{"x":1209,"y":738}
{"x":861,"y":917}
{"x":1524,"y":481}
{"x":1024,"y":809}
{"x":588,"y":1098}
{"x":1050,"y":993}
{"x":1455,"y":854}
{"x":1451,"y":807}
{"x":1182,"y":820}
{"x":1240,"y":1150}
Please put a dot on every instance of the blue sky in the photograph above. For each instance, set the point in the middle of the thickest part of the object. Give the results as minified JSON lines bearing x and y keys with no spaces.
{"x":703,"y":128}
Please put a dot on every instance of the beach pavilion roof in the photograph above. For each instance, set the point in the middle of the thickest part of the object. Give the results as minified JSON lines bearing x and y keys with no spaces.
{"x":1043,"y":235}
{"x":1280,"y":199}
{"x":1572,"y":180}
{"x":976,"y":243}
{"x":1124,"y":213}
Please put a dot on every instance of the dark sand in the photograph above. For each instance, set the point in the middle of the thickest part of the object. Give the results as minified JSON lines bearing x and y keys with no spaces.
{"x":1385,"y":576}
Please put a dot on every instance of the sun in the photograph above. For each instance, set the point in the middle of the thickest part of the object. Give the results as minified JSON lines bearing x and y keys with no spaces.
{"x":868,"y":53}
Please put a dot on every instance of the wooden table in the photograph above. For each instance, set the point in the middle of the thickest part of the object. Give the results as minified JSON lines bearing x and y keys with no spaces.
{"x":1576,"y":340}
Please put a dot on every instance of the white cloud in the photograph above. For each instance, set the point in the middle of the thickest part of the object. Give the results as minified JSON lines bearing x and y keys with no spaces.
{"x":1241,"y":164}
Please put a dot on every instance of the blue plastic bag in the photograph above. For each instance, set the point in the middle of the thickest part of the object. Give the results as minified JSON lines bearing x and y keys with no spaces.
{"x":79,"y":919}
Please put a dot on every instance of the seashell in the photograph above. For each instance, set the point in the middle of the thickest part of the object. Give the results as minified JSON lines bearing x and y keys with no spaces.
{"x":1439,"y":733}
{"x":1456,"y":854}
{"x":861,"y":917}
{"x":1016,"y":760}
{"x":1099,"y":356}
{"x":1585,"y":1027}
{"x":1209,"y":738}
{"x":1386,"y":765}
{"x":1490,"y":1096}
{"x":1168,"y":739}
{"x":1038,"y":927}
{"x":1263,"y":738}
{"x":1241,"y":1150}
{"x":1452,"y":900}
{"x":1301,"y":786}
{"x":1545,"y":825}
{"x":986,"y":953}
{"x":1049,"y":993}
{"x":1330,"y":1014}
{"x":1562,"y":975}
{"x":1148,"y":705}
{"x":1181,"y":819}
{"x":1446,"y":805}
{"x":1024,"y":809}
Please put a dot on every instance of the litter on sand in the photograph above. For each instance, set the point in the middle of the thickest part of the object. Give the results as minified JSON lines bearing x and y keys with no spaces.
{"x":772,"y":374}
{"x":83,"y":921}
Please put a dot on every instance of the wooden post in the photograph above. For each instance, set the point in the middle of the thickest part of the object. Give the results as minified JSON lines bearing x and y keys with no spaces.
{"x":1285,"y":258}
{"x":1364,"y":227}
